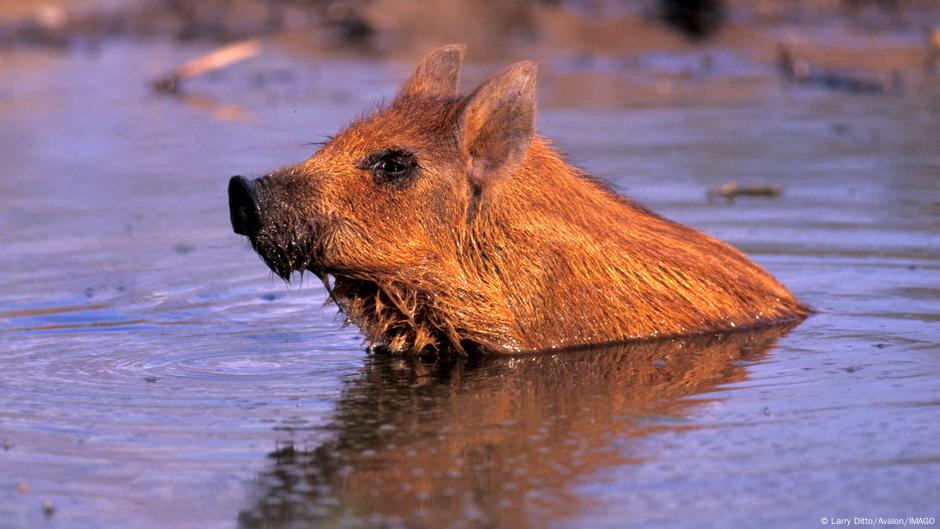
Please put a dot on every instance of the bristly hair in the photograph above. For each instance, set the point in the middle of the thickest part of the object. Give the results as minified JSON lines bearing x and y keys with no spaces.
{"x":391,"y":317}
{"x":499,"y":245}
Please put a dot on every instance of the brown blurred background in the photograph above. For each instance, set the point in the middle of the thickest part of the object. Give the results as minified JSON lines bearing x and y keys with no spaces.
{"x":850,"y":45}
{"x":403,"y":26}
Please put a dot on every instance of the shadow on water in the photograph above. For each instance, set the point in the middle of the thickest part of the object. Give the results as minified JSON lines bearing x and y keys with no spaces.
{"x":490,"y":442}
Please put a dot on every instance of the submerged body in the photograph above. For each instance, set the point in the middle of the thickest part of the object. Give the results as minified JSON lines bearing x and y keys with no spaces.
{"x":444,"y":221}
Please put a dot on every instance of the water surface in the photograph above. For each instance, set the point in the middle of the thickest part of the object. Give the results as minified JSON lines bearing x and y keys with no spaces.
{"x":154,"y":374}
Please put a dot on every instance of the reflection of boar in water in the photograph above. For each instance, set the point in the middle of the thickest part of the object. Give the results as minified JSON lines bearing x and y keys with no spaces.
{"x":443,"y":221}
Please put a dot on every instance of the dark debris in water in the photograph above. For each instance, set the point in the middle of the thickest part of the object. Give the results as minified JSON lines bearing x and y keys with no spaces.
{"x":801,"y":70}
{"x":840,"y":128}
{"x":733,"y":190}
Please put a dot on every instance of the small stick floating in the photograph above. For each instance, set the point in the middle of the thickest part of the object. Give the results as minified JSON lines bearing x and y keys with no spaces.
{"x":801,"y":70}
{"x":732,"y":190}
{"x":212,"y":61}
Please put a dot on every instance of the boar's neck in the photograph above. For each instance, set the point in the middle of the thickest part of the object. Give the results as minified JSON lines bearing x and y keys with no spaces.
{"x":555,"y":259}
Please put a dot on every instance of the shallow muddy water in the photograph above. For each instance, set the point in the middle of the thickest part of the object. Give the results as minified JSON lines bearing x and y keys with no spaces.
{"x":153,"y":373}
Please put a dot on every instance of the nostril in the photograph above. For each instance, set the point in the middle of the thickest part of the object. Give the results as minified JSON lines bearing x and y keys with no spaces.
{"x":242,"y":206}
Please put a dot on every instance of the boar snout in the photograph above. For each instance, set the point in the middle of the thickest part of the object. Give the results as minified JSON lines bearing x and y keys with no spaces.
{"x":243,"y":206}
{"x":266,"y":211}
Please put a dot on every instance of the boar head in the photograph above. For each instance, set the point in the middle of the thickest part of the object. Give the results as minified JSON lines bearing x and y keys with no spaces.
{"x":443,"y":222}
{"x":380,"y":213}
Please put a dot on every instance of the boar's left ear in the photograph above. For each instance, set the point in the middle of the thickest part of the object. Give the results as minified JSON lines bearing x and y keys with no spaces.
{"x":498,"y":122}
{"x":437,"y":74}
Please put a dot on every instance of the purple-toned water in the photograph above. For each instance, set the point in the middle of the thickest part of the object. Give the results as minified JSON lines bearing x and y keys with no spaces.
{"x":153,"y":373}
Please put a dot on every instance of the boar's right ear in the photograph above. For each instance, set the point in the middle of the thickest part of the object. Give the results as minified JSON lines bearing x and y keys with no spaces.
{"x":437,"y":74}
{"x":498,"y":123}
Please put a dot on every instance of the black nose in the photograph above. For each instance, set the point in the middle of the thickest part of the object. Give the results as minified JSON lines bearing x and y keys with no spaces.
{"x":242,"y":206}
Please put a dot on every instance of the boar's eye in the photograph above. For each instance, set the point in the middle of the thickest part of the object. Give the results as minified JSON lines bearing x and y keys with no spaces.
{"x":391,"y":167}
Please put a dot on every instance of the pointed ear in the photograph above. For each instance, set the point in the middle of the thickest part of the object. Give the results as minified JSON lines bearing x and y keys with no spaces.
{"x":437,"y":74}
{"x":498,"y":123}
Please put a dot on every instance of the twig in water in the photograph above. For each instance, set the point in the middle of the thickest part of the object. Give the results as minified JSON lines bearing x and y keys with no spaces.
{"x":732,"y":190}
{"x":215,"y":60}
{"x":800,"y":70}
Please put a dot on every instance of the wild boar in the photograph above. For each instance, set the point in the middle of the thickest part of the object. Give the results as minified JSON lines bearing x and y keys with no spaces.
{"x":444,"y":222}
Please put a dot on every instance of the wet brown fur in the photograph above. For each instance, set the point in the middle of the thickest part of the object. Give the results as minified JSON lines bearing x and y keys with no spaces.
{"x":498,"y":244}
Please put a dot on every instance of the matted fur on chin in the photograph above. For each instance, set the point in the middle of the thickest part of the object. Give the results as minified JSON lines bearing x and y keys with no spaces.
{"x":396,"y":317}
